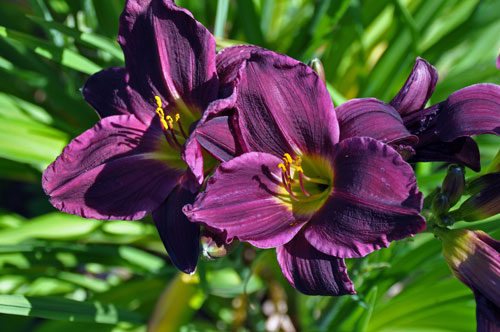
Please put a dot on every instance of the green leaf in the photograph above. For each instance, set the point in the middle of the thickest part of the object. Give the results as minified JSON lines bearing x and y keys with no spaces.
{"x":30,"y":142}
{"x":68,"y":310}
{"x":64,"y":56}
{"x":89,"y":39}
{"x":55,"y":225}
{"x":221,"y":17}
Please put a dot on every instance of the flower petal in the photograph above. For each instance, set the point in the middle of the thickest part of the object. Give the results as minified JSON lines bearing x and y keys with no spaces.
{"x":109,"y":94}
{"x":245,"y":198}
{"x":312,"y":272}
{"x":228,"y":62}
{"x":498,"y":62}
{"x":283,"y":106}
{"x":463,"y":150}
{"x":370,"y":117}
{"x":168,"y":53}
{"x":193,"y":157}
{"x":417,"y":89}
{"x":219,"y":136}
{"x":180,"y":237}
{"x":470,"y":111}
{"x":218,"y":131}
{"x":119,"y":169}
{"x":487,"y":314}
{"x":374,"y":201}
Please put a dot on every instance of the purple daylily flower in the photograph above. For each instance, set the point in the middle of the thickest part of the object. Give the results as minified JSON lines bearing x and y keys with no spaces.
{"x":300,"y":189}
{"x":440,"y":132}
{"x":474,"y":258}
{"x":138,"y":158}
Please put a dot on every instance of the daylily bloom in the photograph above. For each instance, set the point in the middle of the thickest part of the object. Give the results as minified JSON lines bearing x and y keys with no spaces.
{"x":474,"y":258}
{"x":138,"y":158}
{"x":440,"y":132}
{"x":300,"y":189}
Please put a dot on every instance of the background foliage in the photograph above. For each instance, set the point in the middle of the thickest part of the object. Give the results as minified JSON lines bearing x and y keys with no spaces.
{"x":59,"y":272}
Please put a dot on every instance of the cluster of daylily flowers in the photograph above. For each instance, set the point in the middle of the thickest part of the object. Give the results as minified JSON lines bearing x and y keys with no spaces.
{"x":247,"y":145}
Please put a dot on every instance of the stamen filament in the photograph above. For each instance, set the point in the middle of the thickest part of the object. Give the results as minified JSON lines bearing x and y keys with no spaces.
{"x":316,"y":180}
{"x":287,"y":186}
{"x":178,"y":120}
{"x":301,"y":176}
{"x":172,"y":133}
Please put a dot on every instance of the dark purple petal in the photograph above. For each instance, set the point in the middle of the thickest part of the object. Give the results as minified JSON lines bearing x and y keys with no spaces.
{"x":370,"y":117}
{"x":218,"y":131}
{"x":417,"y":89}
{"x":193,"y":157}
{"x":283,"y":106}
{"x":180,"y":236}
{"x":498,"y":62}
{"x":109,"y":94}
{"x":487,"y":314}
{"x":374,"y":201}
{"x":219,"y":136}
{"x":463,"y":150}
{"x":228,"y":62}
{"x":246,"y":199}
{"x":119,"y":169}
{"x":168,"y":53}
{"x":470,"y":111}
{"x":312,"y":272}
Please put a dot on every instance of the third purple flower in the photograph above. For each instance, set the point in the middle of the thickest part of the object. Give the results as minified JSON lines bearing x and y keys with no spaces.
{"x":440,"y":132}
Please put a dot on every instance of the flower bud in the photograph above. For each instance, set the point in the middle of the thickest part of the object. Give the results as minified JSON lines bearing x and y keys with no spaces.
{"x":214,"y":244}
{"x":440,"y":204}
{"x":454,"y":183}
{"x":474,"y":259}
{"x":484,"y":201}
{"x":317,"y":66}
{"x":445,"y":220}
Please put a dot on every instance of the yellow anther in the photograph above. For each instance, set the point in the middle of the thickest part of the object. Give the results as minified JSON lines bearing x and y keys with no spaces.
{"x":159,"y":111}
{"x":299,"y":169}
{"x":288,"y":158}
{"x":177,"y":117}
{"x":161,"y":115}
{"x":298,"y":160}
{"x":158,"y":101}
{"x":170,"y":122}
{"x":283,"y":167}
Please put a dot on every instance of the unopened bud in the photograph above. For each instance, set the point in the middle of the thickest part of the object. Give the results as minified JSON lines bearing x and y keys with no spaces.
{"x":485,"y":199}
{"x":317,"y":66}
{"x":454,"y":184}
{"x":214,"y":244}
{"x":440,"y":204}
{"x":445,"y":220}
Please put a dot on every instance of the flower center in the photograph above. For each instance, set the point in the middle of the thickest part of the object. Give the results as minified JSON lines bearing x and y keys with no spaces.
{"x":174,"y":134}
{"x":307,"y":192}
